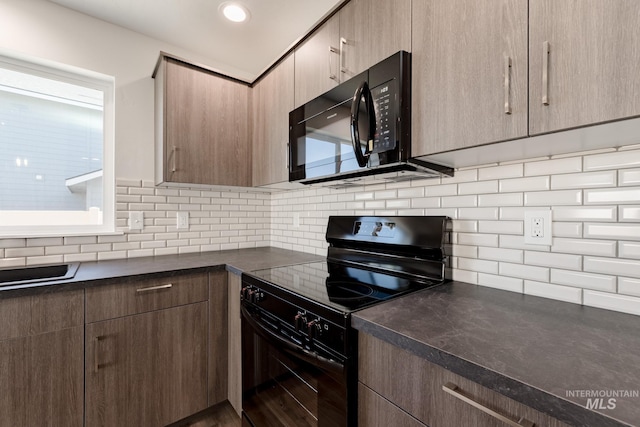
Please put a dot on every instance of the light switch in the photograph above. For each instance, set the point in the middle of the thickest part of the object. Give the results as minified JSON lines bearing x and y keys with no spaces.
{"x":136,"y":220}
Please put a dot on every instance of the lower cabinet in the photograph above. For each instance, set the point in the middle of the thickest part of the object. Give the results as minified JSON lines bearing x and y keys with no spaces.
{"x":235,"y":343}
{"x":416,"y":393}
{"x":149,"y":369}
{"x":42,"y":360}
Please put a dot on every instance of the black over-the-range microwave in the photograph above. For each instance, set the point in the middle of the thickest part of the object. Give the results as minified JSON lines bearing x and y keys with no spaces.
{"x":361,"y":127}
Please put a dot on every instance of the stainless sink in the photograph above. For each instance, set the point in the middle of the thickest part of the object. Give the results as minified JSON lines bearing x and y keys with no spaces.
{"x":37,"y":273}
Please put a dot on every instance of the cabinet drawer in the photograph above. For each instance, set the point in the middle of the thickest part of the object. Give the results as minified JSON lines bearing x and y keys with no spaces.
{"x":132,"y":296}
{"x":376,"y":411}
{"x":436,"y":396}
{"x":38,"y":314}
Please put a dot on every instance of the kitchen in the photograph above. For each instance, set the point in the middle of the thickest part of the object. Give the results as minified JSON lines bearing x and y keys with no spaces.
{"x":592,"y":194}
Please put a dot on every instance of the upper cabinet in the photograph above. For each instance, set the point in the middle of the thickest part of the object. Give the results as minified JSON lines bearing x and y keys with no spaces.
{"x":202,"y":126}
{"x":361,"y":34}
{"x":469,"y":73}
{"x":272,"y":102}
{"x":584,"y":62}
{"x":370,"y":31}
{"x":317,"y":67}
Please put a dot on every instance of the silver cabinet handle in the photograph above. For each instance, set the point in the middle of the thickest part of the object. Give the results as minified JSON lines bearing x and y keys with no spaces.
{"x":174,"y":154}
{"x":545,"y":73}
{"x":155,"y":288}
{"x":343,"y":43}
{"x":507,"y":84}
{"x":332,"y":51}
{"x":452,"y":389}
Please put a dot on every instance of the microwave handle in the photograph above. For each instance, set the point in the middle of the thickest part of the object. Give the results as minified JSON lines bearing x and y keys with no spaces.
{"x":362,"y":92}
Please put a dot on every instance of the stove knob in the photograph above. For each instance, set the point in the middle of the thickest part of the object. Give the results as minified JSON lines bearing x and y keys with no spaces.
{"x":299,"y":320}
{"x":244,"y":293}
{"x":314,"y":329}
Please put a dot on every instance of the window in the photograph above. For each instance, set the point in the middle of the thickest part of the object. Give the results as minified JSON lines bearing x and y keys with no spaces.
{"x":56,"y":149}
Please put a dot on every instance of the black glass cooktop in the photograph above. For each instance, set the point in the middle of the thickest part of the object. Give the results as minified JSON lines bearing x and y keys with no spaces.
{"x":342,"y":287}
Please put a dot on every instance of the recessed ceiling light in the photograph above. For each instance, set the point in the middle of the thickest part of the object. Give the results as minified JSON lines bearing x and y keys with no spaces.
{"x":234,"y":12}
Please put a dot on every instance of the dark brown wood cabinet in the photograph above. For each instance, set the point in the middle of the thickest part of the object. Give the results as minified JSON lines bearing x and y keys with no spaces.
{"x":203,"y":126}
{"x":582,"y":69}
{"x":41,"y":360}
{"x":429,"y":393}
{"x":272,"y":102}
{"x":469,"y":73}
{"x":147,"y":369}
{"x":218,"y":337}
{"x":235,"y":343}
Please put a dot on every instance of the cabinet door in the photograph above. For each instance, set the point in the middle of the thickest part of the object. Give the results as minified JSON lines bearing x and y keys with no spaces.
{"x":584,"y":58}
{"x":218,"y":337}
{"x":147,"y":370}
{"x":41,"y":379}
{"x":372,"y":30}
{"x":317,"y":62}
{"x":235,"y":343}
{"x":207,"y":127}
{"x":465,"y":93}
{"x":272,"y":102}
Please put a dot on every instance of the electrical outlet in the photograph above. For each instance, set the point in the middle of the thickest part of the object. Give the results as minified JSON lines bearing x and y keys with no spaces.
{"x":537,"y":227}
{"x":182,"y":220}
{"x":136,"y":220}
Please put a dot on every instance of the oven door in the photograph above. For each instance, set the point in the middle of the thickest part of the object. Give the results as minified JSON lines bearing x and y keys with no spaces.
{"x":285,"y":384}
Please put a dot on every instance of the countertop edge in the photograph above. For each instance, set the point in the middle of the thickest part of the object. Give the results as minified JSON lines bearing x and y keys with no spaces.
{"x":561,"y":409}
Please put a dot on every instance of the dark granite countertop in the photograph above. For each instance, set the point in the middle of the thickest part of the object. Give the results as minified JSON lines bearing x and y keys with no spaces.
{"x":543,"y":353}
{"x":92,"y":273}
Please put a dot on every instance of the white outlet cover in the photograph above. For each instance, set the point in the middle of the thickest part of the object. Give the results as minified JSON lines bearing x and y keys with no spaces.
{"x":136,"y":220}
{"x":182,"y":220}
{"x":529,"y":236}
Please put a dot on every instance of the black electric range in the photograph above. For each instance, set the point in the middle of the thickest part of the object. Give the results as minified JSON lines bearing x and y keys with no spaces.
{"x":297,"y":319}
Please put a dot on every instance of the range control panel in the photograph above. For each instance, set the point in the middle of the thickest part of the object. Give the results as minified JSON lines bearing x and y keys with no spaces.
{"x":384,"y":102}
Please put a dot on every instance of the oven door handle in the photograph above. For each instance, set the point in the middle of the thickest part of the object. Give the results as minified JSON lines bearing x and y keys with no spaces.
{"x":293,"y":348}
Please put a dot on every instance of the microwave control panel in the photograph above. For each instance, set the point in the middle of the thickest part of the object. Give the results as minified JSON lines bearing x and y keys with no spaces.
{"x":384,"y":102}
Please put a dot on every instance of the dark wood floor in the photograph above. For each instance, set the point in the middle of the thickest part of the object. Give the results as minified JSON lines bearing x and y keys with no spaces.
{"x":221,"y":415}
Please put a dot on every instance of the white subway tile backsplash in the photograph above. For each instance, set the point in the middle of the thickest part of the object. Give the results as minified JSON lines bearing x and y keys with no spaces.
{"x":441,"y":190}
{"x":461,"y":176}
{"x":481,"y":187}
{"x":482,"y":266}
{"x":517,"y":242}
{"x":464,"y":226}
{"x":584,"y":247}
{"x":630,"y":195}
{"x":490,"y":240}
{"x":522,"y":271}
{"x":558,"y":292}
{"x":550,"y":167}
{"x":426,"y":202}
{"x":536,"y":183}
{"x":566,"y":229}
{"x":629,"y":250}
{"x":499,"y":254}
{"x":555,"y":260}
{"x":49,"y":259}
{"x":609,"y":301}
{"x":612,"y":231}
{"x":612,"y":266}
{"x":465,"y":276}
{"x":507,"y":199}
{"x":553,"y":198}
{"x":629,"y":213}
{"x":584,"y":213}
{"x":629,"y":286}
{"x":478,"y":213}
{"x":501,"y":227}
{"x":500,"y":282}
{"x":13,"y":243}
{"x":584,"y":180}
{"x":627,"y":177}
{"x":464,"y":251}
{"x":459,"y":201}
{"x":581,"y":279}
{"x":617,"y":160}
{"x":501,"y":172}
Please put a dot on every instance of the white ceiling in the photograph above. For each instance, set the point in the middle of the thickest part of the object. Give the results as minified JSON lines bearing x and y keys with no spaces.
{"x":197,"y":25}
